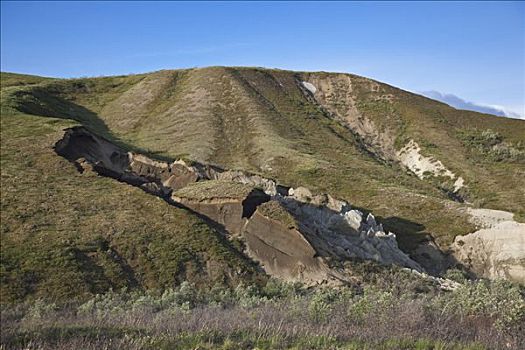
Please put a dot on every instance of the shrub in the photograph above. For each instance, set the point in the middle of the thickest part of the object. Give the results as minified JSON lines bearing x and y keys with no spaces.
{"x":184,"y":297}
{"x":276,"y":289}
{"x":491,"y":145}
{"x":39,"y":309}
{"x":500,"y":300}
{"x":456,"y":275}
{"x":390,"y":315}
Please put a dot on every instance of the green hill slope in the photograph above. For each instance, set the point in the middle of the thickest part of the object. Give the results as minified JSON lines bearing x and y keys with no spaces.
{"x":344,"y":139}
{"x":69,"y":235}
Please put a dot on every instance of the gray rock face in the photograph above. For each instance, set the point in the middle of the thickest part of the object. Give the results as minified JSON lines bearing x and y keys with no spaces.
{"x":283,"y":251}
{"x":81,"y":146}
{"x":268,"y":186}
{"x":336,"y":230}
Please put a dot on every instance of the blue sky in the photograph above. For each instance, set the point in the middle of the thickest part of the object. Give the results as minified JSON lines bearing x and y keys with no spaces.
{"x":474,"y":50}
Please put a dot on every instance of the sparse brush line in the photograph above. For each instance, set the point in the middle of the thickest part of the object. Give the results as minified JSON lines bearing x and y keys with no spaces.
{"x":279,"y":316}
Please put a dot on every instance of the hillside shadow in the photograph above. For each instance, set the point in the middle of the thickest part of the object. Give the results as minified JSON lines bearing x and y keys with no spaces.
{"x":413,"y":239}
{"x":409,"y":233}
{"x":44,"y":104}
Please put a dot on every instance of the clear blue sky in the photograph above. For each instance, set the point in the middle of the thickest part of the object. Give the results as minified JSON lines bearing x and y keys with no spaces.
{"x":473,"y":50}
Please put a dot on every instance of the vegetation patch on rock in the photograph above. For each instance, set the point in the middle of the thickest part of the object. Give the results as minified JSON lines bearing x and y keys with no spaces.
{"x":205,"y":190}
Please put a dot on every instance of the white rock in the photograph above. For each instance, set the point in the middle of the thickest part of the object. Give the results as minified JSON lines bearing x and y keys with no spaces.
{"x":310,"y":87}
{"x":354,"y":219}
{"x":423,"y":167}
{"x":459,"y":184}
{"x":496,"y":251}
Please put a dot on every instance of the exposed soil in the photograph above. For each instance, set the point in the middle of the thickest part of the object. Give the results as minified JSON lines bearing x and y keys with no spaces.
{"x":298,"y":239}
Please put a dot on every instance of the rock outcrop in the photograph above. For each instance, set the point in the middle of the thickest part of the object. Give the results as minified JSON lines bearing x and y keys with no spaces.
{"x":84,"y":149}
{"x":82,"y":146}
{"x":336,"y":230}
{"x":294,"y":234}
{"x":227,"y":203}
{"x":273,"y":239}
{"x":410,"y":157}
{"x":495,"y":251}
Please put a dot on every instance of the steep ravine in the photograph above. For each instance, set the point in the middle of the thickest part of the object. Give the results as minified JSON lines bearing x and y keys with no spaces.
{"x":335,"y":95}
{"x":293,"y":234}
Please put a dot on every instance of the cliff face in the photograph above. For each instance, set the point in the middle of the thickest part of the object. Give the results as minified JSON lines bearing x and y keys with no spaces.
{"x":495,"y":251}
{"x":283,"y":251}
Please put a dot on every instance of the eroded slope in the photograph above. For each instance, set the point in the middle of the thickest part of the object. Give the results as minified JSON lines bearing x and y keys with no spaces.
{"x":332,"y":133}
{"x":67,"y":234}
{"x":292,"y":233}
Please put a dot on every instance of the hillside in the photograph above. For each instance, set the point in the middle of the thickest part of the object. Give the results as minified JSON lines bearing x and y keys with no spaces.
{"x":415,"y":163}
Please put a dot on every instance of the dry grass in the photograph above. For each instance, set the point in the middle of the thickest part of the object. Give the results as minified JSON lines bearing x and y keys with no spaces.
{"x":282,"y":317}
{"x":214,"y":189}
{"x":71,"y":235}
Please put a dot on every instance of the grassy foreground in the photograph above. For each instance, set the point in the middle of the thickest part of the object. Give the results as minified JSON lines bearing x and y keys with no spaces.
{"x":402,"y":313}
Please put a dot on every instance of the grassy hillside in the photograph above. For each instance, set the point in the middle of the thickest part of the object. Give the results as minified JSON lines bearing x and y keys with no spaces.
{"x":102,"y":234}
{"x":70,"y":235}
{"x":15,"y":79}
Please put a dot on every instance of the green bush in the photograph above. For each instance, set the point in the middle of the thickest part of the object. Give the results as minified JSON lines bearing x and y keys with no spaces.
{"x":500,"y":300}
{"x":280,"y":315}
{"x":456,"y":275}
{"x":492,"y":145}
{"x":185,"y":297}
{"x":40,"y":309}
